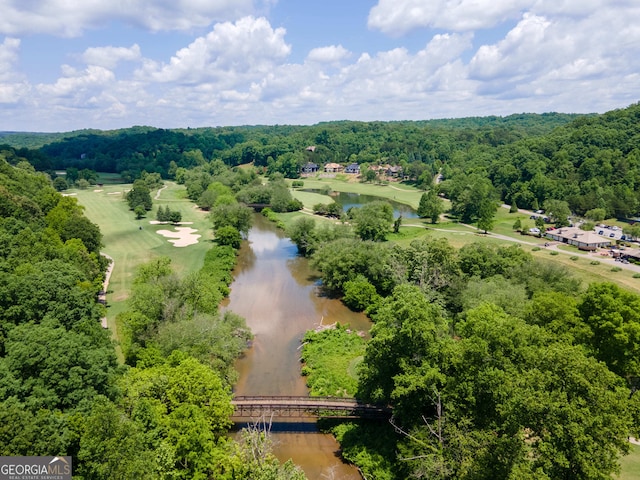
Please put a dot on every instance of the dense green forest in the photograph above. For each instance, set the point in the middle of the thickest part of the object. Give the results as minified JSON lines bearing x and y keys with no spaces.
{"x":165,"y":413}
{"x":497,"y":365}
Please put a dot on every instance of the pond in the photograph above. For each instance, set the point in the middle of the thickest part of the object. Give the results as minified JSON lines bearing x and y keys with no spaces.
{"x":356,"y":200}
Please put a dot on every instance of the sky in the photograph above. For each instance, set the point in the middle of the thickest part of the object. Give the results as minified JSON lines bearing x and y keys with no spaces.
{"x":106,"y":64}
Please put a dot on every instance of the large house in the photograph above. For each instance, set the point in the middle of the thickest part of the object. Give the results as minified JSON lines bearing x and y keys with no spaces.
{"x":333,"y":167}
{"x":580,"y":238}
{"x":310,"y":167}
{"x":394,"y":171}
{"x":352,"y":168}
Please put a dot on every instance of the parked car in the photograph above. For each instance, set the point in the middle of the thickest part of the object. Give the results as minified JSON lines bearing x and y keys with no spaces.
{"x":612,"y":235}
{"x":600,"y":232}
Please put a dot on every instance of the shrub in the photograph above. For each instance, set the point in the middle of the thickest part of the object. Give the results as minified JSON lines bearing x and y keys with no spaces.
{"x":535,"y":249}
{"x":636,"y":275}
{"x":594,"y":262}
{"x":553,"y":252}
{"x":616,"y":269}
{"x":574,"y":258}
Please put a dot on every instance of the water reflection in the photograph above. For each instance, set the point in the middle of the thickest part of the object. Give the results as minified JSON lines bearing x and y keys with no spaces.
{"x":356,"y":200}
{"x":276,"y":292}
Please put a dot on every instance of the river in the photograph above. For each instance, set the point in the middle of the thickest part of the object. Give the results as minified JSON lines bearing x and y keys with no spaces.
{"x":277,"y":293}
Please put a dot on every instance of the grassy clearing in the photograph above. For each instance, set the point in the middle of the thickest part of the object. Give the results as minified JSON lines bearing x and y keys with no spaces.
{"x":630,"y":465}
{"x":130,"y":246}
{"x":331,"y":357}
{"x":393,"y":191}
{"x":309,"y":199}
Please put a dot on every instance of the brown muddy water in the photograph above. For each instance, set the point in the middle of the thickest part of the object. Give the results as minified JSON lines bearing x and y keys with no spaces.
{"x":277,"y":293}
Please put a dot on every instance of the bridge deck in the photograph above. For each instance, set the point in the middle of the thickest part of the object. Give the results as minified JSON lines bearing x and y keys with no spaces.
{"x":289,"y":406}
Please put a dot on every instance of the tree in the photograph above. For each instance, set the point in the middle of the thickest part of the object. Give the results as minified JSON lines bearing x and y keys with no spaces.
{"x":596,"y":214}
{"x":613,"y":316}
{"x":558,"y":211}
{"x":396,"y":224}
{"x":140,"y":212}
{"x":229,"y":235}
{"x":469,"y":194}
{"x":632,"y":231}
{"x":517,"y":225}
{"x":501,"y":401}
{"x":175,"y":216}
{"x":139,"y":195}
{"x":486,"y":212}
{"x":359,"y":294}
{"x":431,"y":206}
{"x":370,"y":175}
{"x":60,"y":184}
{"x":235,"y":215}
{"x":302,"y":233}
{"x":373,"y":220}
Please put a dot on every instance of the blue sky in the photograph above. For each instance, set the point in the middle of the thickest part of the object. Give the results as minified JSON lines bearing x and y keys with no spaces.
{"x":190,"y":63}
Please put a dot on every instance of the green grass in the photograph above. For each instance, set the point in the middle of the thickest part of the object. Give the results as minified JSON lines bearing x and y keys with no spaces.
{"x":630,"y":465}
{"x":395,"y":191}
{"x":129,"y":246}
{"x":309,"y":199}
{"x":330,"y":361}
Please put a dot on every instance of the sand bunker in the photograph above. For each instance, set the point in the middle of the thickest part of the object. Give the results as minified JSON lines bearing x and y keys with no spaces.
{"x":114,"y":193}
{"x":97,"y":191}
{"x":69,"y":194}
{"x":157,"y":222}
{"x":181,"y":237}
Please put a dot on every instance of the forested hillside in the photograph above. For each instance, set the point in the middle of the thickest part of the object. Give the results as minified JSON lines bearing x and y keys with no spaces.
{"x":283,"y":147}
{"x":589,"y":161}
{"x":593,"y":162}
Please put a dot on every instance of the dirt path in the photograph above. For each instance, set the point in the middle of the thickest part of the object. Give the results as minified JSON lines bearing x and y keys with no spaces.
{"x":157,"y":197}
{"x":102,"y":298}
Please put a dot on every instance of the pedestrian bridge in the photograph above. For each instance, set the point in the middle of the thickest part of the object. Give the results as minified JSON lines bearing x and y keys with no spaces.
{"x":290,"y":406}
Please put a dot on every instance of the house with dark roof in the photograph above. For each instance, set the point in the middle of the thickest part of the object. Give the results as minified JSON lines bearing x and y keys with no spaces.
{"x":310,"y":167}
{"x":352,"y":168}
{"x":394,"y":171}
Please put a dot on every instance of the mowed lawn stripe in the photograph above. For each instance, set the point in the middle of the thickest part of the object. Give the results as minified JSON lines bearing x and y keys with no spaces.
{"x":131,"y":246}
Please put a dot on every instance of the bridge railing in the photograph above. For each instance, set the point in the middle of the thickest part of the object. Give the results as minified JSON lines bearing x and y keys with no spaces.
{"x":287,"y":406}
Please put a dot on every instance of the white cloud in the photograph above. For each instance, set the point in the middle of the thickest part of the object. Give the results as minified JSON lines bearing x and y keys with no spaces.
{"x":75,"y":84}
{"x":548,"y":56}
{"x":555,"y":57}
{"x":331,"y":54}
{"x":109,"y":57}
{"x":62,"y":17}
{"x":397,"y":17}
{"x":13,"y":87}
{"x":9,"y":50}
{"x":245,"y":49}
